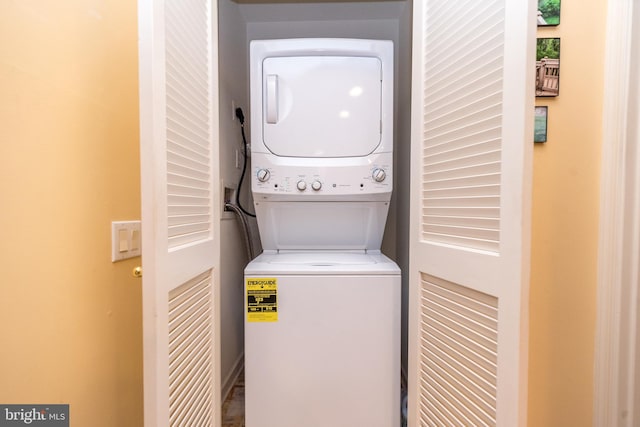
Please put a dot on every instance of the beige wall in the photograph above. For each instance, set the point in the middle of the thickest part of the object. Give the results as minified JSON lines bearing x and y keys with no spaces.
{"x":565,"y":225}
{"x":70,"y":320}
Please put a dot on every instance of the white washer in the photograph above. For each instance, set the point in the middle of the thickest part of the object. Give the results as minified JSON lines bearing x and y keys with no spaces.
{"x":322,"y":304}
{"x":332,"y":357}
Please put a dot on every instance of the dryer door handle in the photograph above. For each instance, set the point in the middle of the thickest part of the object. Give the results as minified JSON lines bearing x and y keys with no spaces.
{"x":272,"y":98}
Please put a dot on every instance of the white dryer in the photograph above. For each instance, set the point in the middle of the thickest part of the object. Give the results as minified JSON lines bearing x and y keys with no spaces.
{"x":322,"y":306}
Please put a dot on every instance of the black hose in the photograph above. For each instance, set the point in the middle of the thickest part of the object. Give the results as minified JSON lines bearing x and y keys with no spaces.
{"x":240,"y":117}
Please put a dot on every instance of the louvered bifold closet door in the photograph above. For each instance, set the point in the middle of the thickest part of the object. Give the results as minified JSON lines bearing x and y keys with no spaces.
{"x":188,"y":121}
{"x":472,"y":113}
{"x":180,"y":215}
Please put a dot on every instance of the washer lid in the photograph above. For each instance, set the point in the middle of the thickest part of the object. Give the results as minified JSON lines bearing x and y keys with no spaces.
{"x":322,"y":106}
{"x":322,"y":259}
{"x":322,"y":263}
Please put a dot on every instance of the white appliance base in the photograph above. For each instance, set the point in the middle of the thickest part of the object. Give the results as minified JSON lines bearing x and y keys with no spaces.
{"x":332,"y":358}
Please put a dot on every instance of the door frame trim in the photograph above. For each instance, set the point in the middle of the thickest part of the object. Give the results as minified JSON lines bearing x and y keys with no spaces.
{"x":619,"y":238}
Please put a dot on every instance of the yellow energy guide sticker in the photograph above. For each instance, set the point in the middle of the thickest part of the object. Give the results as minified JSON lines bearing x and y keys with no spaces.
{"x":262,"y":299}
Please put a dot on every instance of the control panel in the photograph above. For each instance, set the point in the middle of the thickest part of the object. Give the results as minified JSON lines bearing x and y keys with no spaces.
{"x":375,"y":178}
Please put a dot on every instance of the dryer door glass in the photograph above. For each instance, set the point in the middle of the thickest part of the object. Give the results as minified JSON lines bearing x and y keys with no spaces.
{"x":321,"y":106}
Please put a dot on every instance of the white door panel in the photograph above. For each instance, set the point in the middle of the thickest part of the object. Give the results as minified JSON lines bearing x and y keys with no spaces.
{"x":180,"y":215}
{"x":470,"y":205}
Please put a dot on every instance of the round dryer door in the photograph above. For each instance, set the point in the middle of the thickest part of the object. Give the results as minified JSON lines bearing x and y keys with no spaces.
{"x":322,"y":106}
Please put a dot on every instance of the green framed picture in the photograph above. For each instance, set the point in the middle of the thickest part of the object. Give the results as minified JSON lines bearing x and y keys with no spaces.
{"x":548,"y":67}
{"x":548,"y":13}
{"x":540,"y":124}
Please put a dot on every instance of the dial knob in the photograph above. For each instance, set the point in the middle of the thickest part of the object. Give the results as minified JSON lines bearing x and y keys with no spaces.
{"x":301,"y":185}
{"x":379,"y":175}
{"x":316,"y":185}
{"x":263,"y":175}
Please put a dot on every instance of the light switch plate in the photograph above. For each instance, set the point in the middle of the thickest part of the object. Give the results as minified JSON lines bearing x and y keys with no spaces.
{"x":125,"y":240}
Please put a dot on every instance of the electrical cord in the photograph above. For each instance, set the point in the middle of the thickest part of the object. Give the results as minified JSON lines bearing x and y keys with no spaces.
{"x":240,"y":116}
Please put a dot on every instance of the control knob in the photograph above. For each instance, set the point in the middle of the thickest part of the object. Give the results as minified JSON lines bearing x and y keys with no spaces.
{"x":379,"y":175}
{"x":316,"y":185}
{"x":263,"y":175}
{"x":301,"y":185}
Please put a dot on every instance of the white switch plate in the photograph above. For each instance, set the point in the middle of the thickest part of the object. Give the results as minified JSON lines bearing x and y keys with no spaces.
{"x":125,"y":240}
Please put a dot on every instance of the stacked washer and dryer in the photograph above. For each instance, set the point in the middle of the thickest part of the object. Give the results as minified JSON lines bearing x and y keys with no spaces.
{"x":322,"y":303}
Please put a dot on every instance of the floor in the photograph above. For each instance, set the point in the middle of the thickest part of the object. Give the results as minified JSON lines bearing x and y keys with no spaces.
{"x":233,"y":406}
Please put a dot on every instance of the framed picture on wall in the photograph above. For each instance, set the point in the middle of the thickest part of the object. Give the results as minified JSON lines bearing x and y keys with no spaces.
{"x":548,"y":67}
{"x":548,"y":13}
{"x":540,"y":124}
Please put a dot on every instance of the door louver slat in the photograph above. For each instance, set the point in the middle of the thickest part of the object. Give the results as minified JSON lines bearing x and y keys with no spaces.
{"x":190,"y":346}
{"x":459,"y":344}
{"x":462,"y":124}
{"x":189,"y":172}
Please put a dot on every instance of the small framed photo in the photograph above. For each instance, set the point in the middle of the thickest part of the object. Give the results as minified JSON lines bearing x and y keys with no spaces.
{"x":548,"y":67}
{"x":548,"y":13}
{"x":540,"y":124}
